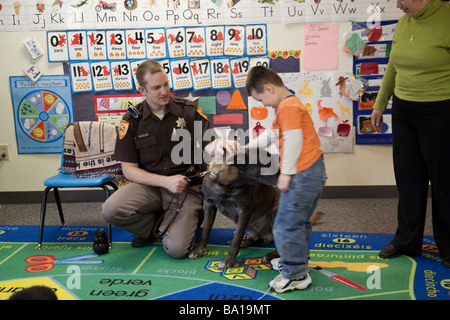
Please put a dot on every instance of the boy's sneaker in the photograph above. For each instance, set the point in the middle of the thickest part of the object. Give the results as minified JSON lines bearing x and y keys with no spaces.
{"x":275,"y":263}
{"x":282,"y":285}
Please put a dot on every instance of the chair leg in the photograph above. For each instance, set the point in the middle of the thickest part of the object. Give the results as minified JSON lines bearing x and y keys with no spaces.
{"x":42,"y":219}
{"x":108,"y":193}
{"x":58,"y":204}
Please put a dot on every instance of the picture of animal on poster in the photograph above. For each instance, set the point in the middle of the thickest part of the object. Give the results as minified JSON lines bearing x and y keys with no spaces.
{"x":325,"y":96}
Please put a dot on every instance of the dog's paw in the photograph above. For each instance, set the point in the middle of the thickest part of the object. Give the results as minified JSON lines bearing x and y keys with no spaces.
{"x":269,"y":256}
{"x":227,"y":263}
{"x":196,"y":253}
{"x":247,"y":242}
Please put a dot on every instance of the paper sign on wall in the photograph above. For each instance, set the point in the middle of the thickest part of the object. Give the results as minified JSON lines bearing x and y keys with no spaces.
{"x":135,"y":44}
{"x":101,"y":76}
{"x":97,"y":45}
{"x":181,"y":74}
{"x":214,"y":40}
{"x":195,"y":44}
{"x":57,"y":46}
{"x":81,"y":77}
{"x":220,"y":73}
{"x":256,"y":39}
{"x":116,"y":44}
{"x":234,"y":40}
{"x":121,"y":75}
{"x":320,"y":46}
{"x":239,"y":70}
{"x":176,"y":42}
{"x":166,"y":65}
{"x":201,"y":75}
{"x":156,"y":43}
{"x":77,"y":45}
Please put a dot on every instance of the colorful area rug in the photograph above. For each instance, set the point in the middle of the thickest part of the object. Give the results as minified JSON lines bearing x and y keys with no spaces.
{"x":351,"y":269}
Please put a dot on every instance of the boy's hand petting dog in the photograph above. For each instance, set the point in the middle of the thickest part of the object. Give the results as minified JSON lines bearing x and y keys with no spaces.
{"x":221,"y":147}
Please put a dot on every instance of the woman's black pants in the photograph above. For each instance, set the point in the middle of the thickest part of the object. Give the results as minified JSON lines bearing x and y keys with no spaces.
{"x":421,"y":153}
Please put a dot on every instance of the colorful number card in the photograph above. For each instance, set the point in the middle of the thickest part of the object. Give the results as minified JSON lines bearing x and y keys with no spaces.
{"x":220,"y":73}
{"x":201,"y":75}
{"x":166,"y":66}
{"x":234,"y":40}
{"x":195,"y":44}
{"x":58,"y":50}
{"x":101,"y":76}
{"x":96,"y":41}
{"x":176,"y":42}
{"x":214,"y":41}
{"x":81,"y":76}
{"x":181,"y":74}
{"x":156,"y":43}
{"x":256,"y":39}
{"x":239,"y":71}
{"x":121,"y":75}
{"x":116,"y":44}
{"x":77,"y":45}
{"x":135,"y":40}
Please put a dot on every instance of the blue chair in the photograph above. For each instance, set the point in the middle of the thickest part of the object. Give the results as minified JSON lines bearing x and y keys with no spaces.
{"x":67,"y":180}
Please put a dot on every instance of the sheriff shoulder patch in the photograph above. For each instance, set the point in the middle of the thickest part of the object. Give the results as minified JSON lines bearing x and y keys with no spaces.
{"x":123,"y":128}
{"x":200,"y":112}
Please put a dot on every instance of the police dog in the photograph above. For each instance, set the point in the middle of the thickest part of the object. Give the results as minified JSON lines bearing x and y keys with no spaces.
{"x":242,"y":192}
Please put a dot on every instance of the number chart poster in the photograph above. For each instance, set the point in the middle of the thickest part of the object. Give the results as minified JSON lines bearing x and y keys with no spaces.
{"x":42,"y":110}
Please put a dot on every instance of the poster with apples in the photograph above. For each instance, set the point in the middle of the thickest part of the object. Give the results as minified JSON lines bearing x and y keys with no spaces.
{"x":319,"y":92}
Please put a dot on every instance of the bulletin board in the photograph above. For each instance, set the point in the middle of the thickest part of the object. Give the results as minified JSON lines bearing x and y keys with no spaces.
{"x":206,"y":49}
{"x":370,"y":64}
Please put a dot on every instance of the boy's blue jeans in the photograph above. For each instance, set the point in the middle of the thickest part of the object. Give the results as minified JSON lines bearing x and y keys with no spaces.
{"x":292,"y":227}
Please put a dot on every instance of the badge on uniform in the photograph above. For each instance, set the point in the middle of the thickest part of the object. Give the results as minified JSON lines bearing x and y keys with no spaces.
{"x":181,"y":123}
{"x":123,"y":128}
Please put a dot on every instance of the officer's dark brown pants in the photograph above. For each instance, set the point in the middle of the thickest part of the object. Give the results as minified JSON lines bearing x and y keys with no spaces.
{"x":134,"y":208}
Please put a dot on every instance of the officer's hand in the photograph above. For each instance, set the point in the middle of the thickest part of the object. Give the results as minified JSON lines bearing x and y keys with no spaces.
{"x":177,"y":183}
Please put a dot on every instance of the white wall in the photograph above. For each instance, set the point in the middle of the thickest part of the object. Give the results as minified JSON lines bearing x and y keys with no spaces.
{"x":368,"y":165}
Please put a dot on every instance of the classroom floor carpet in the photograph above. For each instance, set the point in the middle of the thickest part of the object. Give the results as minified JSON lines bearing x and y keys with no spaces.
{"x":351,"y":268}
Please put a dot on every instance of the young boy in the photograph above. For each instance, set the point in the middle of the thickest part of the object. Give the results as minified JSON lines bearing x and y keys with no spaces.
{"x":302,"y":176}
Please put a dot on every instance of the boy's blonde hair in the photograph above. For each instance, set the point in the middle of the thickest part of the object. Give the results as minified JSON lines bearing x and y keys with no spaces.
{"x":259,"y":76}
{"x":145,"y":67}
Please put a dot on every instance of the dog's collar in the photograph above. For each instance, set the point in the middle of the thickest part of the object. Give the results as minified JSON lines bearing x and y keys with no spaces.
{"x":204,"y":173}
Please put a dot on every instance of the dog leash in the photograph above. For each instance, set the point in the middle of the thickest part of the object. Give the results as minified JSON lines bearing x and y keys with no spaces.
{"x":160,"y":219}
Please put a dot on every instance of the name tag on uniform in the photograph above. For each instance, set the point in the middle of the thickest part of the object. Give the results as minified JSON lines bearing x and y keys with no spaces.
{"x":143,"y":135}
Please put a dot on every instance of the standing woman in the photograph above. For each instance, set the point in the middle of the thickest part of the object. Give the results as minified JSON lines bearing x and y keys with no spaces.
{"x":418,"y":74}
